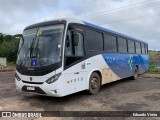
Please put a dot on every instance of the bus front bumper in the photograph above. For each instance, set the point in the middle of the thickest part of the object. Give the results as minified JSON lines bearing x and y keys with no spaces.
{"x":41,"y":89}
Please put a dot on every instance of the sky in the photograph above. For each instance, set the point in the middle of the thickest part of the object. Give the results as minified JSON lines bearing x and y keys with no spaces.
{"x":137,"y":18}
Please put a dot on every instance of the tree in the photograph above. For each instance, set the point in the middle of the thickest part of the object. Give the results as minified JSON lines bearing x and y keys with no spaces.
{"x":1,"y":37}
{"x":7,"y":38}
{"x":6,"y":46}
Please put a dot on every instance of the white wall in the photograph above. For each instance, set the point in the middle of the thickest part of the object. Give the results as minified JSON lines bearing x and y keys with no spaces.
{"x":3,"y":61}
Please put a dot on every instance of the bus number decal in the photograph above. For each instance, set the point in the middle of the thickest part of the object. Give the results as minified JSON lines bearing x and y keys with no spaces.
{"x":75,"y":80}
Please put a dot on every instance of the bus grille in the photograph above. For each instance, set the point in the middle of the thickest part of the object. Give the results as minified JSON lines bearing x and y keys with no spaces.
{"x":32,"y":82}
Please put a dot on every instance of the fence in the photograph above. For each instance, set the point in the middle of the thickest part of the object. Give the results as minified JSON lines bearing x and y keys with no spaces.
{"x":154,"y":66}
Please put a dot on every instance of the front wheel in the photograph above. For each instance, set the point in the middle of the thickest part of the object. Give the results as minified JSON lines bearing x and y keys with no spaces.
{"x":94,"y":83}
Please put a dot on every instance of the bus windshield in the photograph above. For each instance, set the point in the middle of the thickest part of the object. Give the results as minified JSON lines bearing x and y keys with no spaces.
{"x":41,"y":46}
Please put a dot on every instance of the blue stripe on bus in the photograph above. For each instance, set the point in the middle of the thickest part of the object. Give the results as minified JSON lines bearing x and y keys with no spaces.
{"x":123,"y":64}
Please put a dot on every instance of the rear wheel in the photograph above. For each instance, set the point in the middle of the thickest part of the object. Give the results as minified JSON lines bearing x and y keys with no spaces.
{"x":94,"y":83}
{"x":136,"y":74}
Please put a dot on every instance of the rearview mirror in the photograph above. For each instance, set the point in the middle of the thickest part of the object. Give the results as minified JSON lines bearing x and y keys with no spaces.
{"x":75,"y":39}
{"x":67,"y":41}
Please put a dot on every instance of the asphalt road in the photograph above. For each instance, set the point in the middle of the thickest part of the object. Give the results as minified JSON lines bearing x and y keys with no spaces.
{"x":123,"y":95}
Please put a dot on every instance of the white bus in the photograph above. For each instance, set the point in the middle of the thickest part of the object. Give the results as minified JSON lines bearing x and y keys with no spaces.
{"x":65,"y":56}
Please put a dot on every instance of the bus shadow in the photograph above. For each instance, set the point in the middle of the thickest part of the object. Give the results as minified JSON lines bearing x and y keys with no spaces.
{"x":60,"y":103}
{"x":61,"y":100}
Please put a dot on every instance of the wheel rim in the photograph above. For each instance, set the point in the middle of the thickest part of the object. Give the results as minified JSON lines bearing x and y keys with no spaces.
{"x":94,"y":83}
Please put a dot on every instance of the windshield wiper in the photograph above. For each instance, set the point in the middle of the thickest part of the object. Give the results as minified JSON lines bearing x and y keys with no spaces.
{"x":29,"y":49}
{"x":38,"y":52}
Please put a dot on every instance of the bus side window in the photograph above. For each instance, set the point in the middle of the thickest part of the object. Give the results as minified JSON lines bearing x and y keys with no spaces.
{"x":94,"y":41}
{"x":122,"y":45}
{"x":146,"y":48}
{"x":74,"y":51}
{"x":110,"y":43}
{"x":138,"y":48}
{"x":143,"y":48}
{"x":131,"y":47}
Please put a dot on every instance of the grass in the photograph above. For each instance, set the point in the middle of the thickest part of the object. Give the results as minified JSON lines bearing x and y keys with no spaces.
{"x":153,"y":69}
{"x":149,"y":75}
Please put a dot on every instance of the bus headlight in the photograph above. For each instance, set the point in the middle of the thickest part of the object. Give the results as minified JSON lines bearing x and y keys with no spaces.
{"x":53,"y":78}
{"x":17,"y":77}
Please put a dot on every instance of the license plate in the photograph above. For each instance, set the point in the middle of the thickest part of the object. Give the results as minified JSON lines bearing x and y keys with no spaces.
{"x":30,"y":88}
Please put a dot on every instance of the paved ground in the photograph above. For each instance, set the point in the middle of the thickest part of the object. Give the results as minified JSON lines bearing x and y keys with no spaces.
{"x":127,"y":95}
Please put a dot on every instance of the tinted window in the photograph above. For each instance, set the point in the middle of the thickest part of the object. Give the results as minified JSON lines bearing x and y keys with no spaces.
{"x":74,"y":51}
{"x":146,"y":48}
{"x":143,"y":48}
{"x":122,"y":45}
{"x":110,"y":44}
{"x":94,"y":40}
{"x":131,"y":48}
{"x":138,"y":47}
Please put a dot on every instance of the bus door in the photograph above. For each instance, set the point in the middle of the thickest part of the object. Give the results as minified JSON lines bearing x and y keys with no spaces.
{"x":74,"y":62}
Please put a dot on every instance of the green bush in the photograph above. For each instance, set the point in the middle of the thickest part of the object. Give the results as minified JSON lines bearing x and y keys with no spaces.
{"x":153,"y":69}
{"x":6,"y":46}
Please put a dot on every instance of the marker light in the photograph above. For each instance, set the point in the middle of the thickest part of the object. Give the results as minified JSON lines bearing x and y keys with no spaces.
{"x":53,"y":78}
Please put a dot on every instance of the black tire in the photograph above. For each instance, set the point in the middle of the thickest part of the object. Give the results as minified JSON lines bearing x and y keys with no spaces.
{"x":136,"y":74}
{"x":94,"y":84}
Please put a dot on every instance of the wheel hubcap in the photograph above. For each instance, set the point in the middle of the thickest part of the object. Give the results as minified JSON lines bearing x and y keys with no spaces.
{"x":94,"y":83}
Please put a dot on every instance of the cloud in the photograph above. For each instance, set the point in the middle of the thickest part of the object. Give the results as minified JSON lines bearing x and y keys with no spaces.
{"x":15,"y":15}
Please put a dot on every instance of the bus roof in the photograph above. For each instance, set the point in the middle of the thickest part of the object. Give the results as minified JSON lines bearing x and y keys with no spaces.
{"x":110,"y":31}
{"x":72,"y":20}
